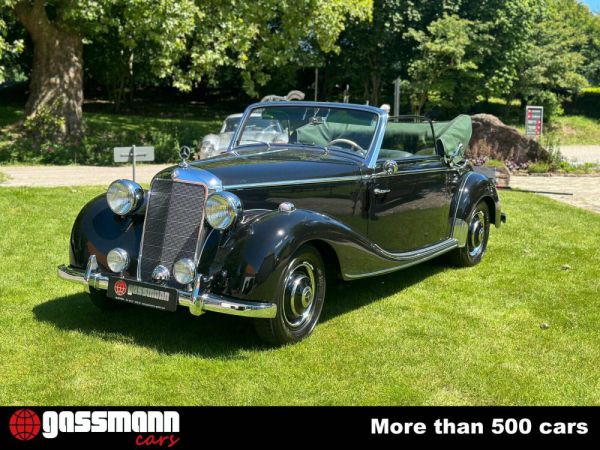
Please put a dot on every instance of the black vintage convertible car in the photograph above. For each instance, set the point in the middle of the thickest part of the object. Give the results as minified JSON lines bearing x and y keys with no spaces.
{"x":257,"y":231}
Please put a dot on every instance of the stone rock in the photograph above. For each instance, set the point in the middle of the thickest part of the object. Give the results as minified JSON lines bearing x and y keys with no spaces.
{"x":492,"y":139}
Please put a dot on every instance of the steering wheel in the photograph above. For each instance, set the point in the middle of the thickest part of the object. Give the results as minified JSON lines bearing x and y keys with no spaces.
{"x":352,"y":144}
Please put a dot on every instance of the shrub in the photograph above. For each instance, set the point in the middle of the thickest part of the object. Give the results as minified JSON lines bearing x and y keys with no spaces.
{"x":539,"y":167}
{"x":586,"y":103}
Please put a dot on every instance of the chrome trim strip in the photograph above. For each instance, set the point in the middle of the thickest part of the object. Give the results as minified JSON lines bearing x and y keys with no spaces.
{"x":331,"y":179}
{"x":424,"y":256}
{"x":371,"y":158}
{"x":409,"y":172}
{"x":209,"y":301}
{"x":195,"y":175}
{"x":407,"y":256}
{"x":290,"y":182}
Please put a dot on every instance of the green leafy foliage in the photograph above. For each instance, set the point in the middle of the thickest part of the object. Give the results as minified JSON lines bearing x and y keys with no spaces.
{"x":446,"y":66}
{"x":103,"y":132}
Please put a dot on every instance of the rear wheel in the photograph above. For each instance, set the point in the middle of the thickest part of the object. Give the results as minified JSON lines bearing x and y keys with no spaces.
{"x":99,"y":298}
{"x":300,"y":299}
{"x":477,"y":237}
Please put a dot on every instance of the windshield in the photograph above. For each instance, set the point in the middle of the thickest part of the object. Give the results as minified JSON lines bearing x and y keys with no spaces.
{"x":348,"y":129}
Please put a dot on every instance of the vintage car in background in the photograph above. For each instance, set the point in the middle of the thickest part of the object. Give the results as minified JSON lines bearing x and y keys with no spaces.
{"x":261,"y":230}
{"x":258,"y":130}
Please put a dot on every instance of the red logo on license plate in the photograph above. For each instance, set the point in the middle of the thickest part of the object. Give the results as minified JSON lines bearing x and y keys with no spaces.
{"x":120,"y":288}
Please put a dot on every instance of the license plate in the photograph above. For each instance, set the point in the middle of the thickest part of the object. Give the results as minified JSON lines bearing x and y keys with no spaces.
{"x":145,"y":294}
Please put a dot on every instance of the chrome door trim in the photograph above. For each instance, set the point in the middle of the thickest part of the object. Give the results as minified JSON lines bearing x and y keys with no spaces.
{"x":409,"y":172}
{"x":292,"y":182}
{"x":332,"y":179}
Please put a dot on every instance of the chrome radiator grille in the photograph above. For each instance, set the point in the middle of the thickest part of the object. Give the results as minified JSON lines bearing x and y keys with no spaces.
{"x":173,"y":225}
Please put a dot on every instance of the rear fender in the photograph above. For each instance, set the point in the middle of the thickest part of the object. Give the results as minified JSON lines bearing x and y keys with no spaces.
{"x":474,"y":187}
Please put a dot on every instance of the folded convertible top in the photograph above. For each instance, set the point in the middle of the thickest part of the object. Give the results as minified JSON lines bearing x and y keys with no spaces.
{"x":454,"y":136}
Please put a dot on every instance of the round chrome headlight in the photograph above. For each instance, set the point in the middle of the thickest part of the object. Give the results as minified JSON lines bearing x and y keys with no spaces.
{"x":184,"y":271}
{"x":124,"y":196}
{"x":222,"y":210}
{"x":117,"y":260}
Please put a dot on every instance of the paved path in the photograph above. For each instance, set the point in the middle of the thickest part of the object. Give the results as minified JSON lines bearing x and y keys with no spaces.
{"x":75,"y":175}
{"x":585,"y":190}
{"x":581,"y":153}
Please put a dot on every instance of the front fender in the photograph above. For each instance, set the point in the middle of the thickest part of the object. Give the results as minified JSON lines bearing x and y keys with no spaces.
{"x":248,"y":262}
{"x":97,"y":230}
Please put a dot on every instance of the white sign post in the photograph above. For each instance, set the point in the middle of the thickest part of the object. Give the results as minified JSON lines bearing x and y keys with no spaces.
{"x":133,"y":153}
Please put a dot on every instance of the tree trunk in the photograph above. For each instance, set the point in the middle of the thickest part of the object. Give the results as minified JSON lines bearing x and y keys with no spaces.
{"x":376,"y":88}
{"x":56,"y":82}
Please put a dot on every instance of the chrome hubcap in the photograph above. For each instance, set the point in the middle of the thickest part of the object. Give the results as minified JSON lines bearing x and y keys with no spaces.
{"x":299,"y":295}
{"x":477,"y":233}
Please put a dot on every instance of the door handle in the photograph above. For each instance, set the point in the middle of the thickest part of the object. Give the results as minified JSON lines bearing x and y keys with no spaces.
{"x":377,"y":191}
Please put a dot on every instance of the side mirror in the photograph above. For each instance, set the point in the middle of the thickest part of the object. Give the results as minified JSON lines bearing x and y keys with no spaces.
{"x":390,"y":167}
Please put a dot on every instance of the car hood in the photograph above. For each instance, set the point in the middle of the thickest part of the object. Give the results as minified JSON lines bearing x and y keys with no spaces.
{"x":277,"y":165}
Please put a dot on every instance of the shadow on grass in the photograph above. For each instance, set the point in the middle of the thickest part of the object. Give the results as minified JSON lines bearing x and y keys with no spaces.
{"x":344,"y":297}
{"x":210,"y":335}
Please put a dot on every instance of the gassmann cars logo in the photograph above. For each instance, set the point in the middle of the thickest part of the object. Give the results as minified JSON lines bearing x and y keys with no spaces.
{"x":152,"y":427}
{"x":24,"y":424}
{"x":120,"y":288}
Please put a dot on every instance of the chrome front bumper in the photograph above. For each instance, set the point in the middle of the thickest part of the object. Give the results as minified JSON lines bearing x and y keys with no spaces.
{"x":197,"y":302}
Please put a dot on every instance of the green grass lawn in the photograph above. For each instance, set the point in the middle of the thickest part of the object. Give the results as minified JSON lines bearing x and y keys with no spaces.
{"x":571,"y":130}
{"x":577,"y":130}
{"x":428,"y":335}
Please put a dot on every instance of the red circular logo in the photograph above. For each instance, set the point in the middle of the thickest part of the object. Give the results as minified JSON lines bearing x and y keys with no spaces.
{"x":24,"y":424}
{"x":120,"y":288}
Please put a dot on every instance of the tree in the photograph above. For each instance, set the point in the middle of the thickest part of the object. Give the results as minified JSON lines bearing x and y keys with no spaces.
{"x":184,"y":40}
{"x":371,"y":51}
{"x":592,"y":51}
{"x":548,"y":68}
{"x":448,"y":57}
{"x":259,"y":36}
{"x":373,"y":54}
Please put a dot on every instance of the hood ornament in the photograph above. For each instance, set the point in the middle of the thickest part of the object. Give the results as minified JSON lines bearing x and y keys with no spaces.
{"x":184,"y":153}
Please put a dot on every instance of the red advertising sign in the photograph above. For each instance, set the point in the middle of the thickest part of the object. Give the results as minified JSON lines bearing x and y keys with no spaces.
{"x":534,"y":121}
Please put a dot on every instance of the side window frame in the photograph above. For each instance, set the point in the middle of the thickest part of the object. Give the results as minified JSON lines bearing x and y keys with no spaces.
{"x":414,"y":157}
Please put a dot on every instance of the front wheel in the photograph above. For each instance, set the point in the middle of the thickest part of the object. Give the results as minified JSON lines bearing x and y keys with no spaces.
{"x":477,"y":237}
{"x":300,"y":298}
